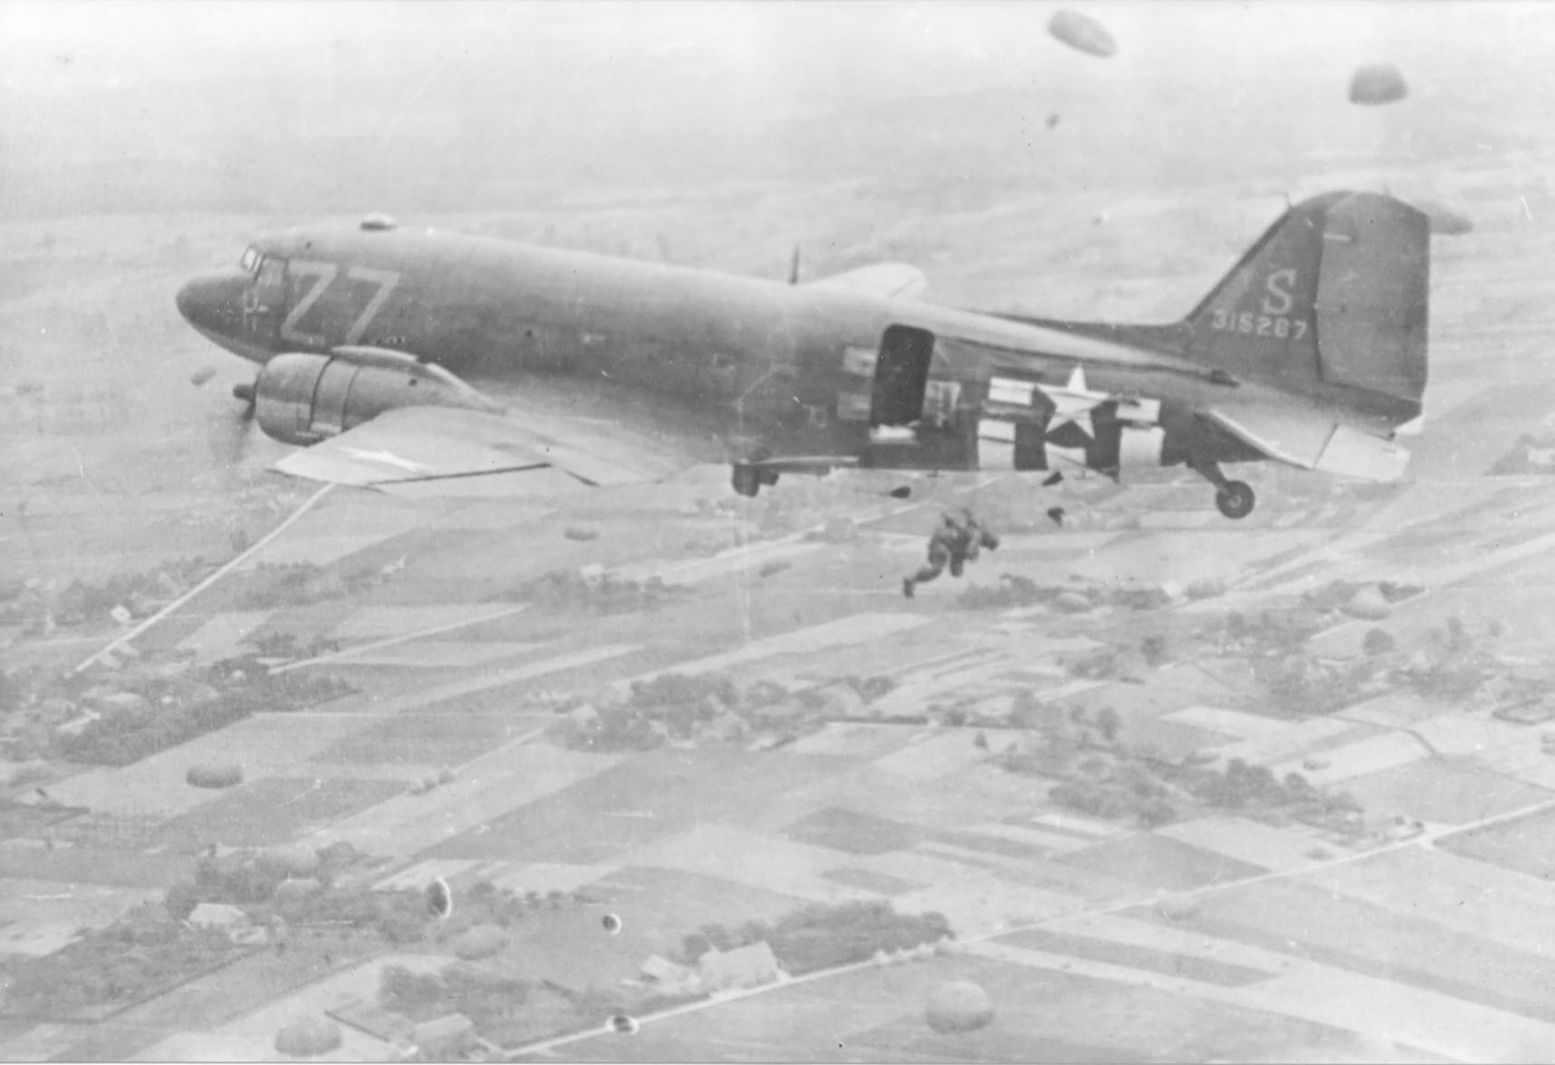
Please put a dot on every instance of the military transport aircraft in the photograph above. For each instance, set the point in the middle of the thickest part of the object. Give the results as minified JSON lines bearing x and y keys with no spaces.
{"x":397,"y":355}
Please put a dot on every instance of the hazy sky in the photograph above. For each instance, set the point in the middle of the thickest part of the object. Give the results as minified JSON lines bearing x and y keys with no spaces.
{"x":285,"y":106}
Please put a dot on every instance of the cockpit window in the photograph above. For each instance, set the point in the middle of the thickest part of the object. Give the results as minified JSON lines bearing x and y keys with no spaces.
{"x":271,"y":271}
{"x":250,"y":260}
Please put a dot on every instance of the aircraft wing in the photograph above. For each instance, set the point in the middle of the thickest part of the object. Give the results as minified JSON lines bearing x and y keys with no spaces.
{"x":408,"y":445}
{"x":888,"y":280}
{"x":1308,"y":436}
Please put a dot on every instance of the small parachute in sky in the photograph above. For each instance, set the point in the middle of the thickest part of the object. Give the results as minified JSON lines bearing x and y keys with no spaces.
{"x":1377,"y":83}
{"x":1053,"y":119}
{"x":440,"y":900}
{"x":1082,"y":32}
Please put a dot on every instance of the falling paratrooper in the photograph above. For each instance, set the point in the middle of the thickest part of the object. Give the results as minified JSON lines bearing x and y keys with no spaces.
{"x":1374,"y":84}
{"x":1082,"y":32}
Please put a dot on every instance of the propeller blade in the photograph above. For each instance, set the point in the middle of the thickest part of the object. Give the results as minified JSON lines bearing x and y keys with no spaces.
{"x":230,"y":437}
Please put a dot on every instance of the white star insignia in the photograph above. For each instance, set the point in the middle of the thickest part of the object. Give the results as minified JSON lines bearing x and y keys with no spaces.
{"x":388,"y":458}
{"x":1073,"y":403}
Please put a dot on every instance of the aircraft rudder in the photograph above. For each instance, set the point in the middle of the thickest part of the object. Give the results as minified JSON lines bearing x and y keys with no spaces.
{"x":1334,"y":293}
{"x":1373,"y":301}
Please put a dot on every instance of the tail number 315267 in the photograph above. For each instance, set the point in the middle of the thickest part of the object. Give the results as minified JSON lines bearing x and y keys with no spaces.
{"x":1277,"y":326}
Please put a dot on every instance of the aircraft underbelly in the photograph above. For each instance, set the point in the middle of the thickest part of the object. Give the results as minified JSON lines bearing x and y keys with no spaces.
{"x":671,"y":425}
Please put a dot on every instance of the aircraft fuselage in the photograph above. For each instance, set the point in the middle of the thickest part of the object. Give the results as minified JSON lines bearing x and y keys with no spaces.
{"x":1319,"y":329}
{"x":791,"y":367}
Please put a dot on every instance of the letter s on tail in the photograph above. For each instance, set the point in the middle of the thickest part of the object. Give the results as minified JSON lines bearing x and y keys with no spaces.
{"x":1332,"y":299}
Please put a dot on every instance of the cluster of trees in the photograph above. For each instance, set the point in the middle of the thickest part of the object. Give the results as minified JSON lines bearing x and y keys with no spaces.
{"x":1063,"y":731}
{"x":675,"y":691}
{"x":286,"y":645}
{"x":484,"y":903}
{"x":669,"y":706}
{"x":1271,"y":632}
{"x":572,"y":591}
{"x":251,"y":877}
{"x":1013,"y":590}
{"x":1331,"y":596}
{"x":1455,"y":665}
{"x":81,"y":602}
{"x":20,"y":688}
{"x":486,"y":998}
{"x":122,"y":738}
{"x":1148,"y":803}
{"x":824,"y":936}
{"x":505,"y":1010}
{"x":1240,"y":786}
{"x":250,"y":880}
{"x":676,"y":706}
{"x":1100,"y":777}
{"x":614,"y":727}
{"x":1080,"y":747}
{"x":290,"y":584}
{"x":871,"y":688}
{"x":1305,"y":684}
{"x":246,"y":688}
{"x":1450,"y":667}
{"x":135,"y":958}
{"x":1152,"y":794}
{"x":1275,"y":643}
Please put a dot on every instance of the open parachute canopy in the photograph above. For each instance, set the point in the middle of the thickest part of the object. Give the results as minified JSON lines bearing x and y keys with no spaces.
{"x":1377,"y":83}
{"x":1082,"y":32}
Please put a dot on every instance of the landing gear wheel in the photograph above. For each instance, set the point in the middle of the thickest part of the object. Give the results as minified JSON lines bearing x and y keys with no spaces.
{"x":747,"y":480}
{"x":1235,"y":499}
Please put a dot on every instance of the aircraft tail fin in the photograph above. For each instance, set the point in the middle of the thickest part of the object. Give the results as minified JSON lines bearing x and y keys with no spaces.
{"x":1334,"y":294}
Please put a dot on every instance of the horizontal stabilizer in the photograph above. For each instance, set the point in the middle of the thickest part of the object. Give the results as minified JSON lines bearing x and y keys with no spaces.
{"x":886,"y":280}
{"x":1311,"y":438}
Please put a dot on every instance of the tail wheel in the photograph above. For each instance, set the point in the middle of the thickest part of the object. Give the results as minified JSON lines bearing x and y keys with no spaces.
{"x":1235,"y":499}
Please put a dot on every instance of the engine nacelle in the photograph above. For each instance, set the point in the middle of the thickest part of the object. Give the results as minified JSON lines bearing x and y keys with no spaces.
{"x":302,"y":398}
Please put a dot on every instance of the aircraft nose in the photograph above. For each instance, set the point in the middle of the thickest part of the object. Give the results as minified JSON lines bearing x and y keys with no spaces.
{"x":188,"y":300}
{"x":213,"y":303}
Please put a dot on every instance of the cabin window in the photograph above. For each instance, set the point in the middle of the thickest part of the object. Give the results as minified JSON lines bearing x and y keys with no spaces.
{"x":250,"y":261}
